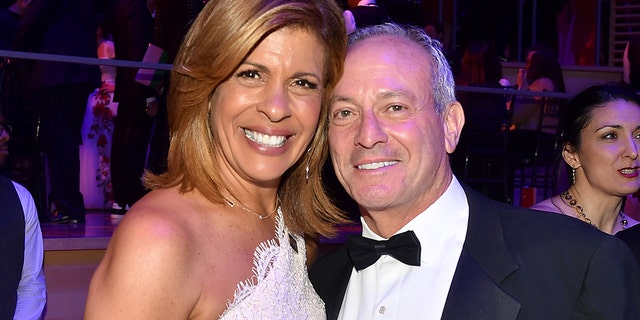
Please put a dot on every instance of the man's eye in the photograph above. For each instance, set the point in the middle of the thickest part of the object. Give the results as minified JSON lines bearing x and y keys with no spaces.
{"x":343,"y":114}
{"x":342,"y":117}
{"x":396,"y":108}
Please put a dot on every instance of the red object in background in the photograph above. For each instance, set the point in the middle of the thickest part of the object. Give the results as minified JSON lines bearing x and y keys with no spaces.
{"x":527,"y":197}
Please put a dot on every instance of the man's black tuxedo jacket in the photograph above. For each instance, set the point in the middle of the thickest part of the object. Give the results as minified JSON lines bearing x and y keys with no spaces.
{"x":521,"y":264}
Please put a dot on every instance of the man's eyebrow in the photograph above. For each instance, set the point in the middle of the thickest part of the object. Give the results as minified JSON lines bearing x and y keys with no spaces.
{"x":381,"y":95}
{"x":394,"y":94}
{"x":339,"y":98}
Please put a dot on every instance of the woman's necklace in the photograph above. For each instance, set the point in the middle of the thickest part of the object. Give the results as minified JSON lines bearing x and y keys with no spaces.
{"x":583,"y":216}
{"x":260,"y":216}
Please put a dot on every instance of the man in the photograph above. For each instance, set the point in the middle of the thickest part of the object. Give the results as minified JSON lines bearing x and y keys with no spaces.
{"x":393,"y":121}
{"x":631,"y":237}
{"x":171,"y":21}
{"x":22,"y":284}
{"x":131,"y":25}
{"x":60,"y":91}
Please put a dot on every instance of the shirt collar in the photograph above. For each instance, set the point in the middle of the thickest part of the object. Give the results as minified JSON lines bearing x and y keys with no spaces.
{"x":436,"y":227}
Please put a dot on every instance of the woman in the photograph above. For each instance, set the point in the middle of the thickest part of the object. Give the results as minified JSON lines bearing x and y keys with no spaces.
{"x":481,"y":68}
{"x":219,"y":235}
{"x":482,"y":141}
{"x":542,"y":73}
{"x":600,"y":143}
{"x":97,"y":129}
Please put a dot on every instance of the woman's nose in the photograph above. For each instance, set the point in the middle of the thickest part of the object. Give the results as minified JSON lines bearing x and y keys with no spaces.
{"x":276,"y":105}
{"x":632,"y":149}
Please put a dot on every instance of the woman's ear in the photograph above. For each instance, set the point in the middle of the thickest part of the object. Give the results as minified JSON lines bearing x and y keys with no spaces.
{"x":570,"y":156}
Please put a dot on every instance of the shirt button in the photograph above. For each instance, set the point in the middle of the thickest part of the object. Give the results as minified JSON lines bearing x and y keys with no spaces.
{"x":382,"y":310}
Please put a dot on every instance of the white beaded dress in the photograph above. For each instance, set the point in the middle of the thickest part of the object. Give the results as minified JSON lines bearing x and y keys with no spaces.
{"x":280,"y":288}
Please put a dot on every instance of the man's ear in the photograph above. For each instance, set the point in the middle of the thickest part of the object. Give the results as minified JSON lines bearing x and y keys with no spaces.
{"x":453,"y":122}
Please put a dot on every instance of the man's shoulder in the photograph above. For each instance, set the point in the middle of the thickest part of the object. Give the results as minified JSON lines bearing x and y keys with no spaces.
{"x":529,"y":227}
{"x":526,"y":222}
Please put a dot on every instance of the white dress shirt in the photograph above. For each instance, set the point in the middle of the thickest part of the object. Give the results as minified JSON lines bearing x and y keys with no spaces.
{"x":390,"y":289}
{"x":32,"y":291}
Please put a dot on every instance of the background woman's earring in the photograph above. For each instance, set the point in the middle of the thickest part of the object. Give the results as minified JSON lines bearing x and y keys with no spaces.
{"x":573,"y":175}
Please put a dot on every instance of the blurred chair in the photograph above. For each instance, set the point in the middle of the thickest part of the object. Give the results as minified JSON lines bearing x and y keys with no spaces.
{"x":479,"y":160}
{"x":533,"y":154}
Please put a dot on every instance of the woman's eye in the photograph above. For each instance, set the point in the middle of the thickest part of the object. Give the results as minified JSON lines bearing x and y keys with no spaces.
{"x":251,"y":74}
{"x":609,"y":136}
{"x":306,"y":84}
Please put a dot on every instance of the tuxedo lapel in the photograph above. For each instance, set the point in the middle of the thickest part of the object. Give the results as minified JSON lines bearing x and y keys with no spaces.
{"x":484,"y":263}
{"x":330,"y":276}
{"x":474,"y":295}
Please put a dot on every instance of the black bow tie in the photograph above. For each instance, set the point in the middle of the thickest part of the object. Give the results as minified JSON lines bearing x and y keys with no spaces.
{"x":404,"y":247}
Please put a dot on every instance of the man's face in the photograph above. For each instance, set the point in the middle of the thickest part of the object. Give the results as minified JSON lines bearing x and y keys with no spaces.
{"x":388,"y":145}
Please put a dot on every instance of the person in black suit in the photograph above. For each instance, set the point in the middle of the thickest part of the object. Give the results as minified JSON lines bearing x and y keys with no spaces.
{"x":451,"y":253}
{"x":631,"y":237}
{"x":171,"y":21}
{"x":60,"y":90}
{"x":131,"y":25}
{"x":22,"y":283}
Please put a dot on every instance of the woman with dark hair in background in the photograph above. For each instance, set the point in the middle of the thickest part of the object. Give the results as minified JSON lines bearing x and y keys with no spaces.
{"x":599,"y":143}
{"x":542,"y":73}
{"x":486,"y":118}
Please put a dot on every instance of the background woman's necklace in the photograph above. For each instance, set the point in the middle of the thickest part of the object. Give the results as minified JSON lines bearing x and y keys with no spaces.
{"x":583,"y":216}
{"x":259,"y":215}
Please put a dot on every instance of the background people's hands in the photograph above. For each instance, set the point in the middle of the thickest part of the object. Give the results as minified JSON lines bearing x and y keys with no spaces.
{"x":521,"y":78}
{"x":152,"y":107}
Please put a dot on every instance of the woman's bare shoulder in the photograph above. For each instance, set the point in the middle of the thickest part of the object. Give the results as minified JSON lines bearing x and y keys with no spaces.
{"x":547,"y":205}
{"x":157,"y":217}
{"x":156,"y":262}
{"x":149,"y":263}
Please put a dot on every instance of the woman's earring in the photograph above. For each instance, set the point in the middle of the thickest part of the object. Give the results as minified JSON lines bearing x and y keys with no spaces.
{"x":306,"y":175}
{"x":573,"y":175}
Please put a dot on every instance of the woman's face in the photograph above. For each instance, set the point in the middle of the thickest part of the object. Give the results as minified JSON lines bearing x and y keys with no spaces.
{"x":265,"y":115}
{"x":608,"y":153}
